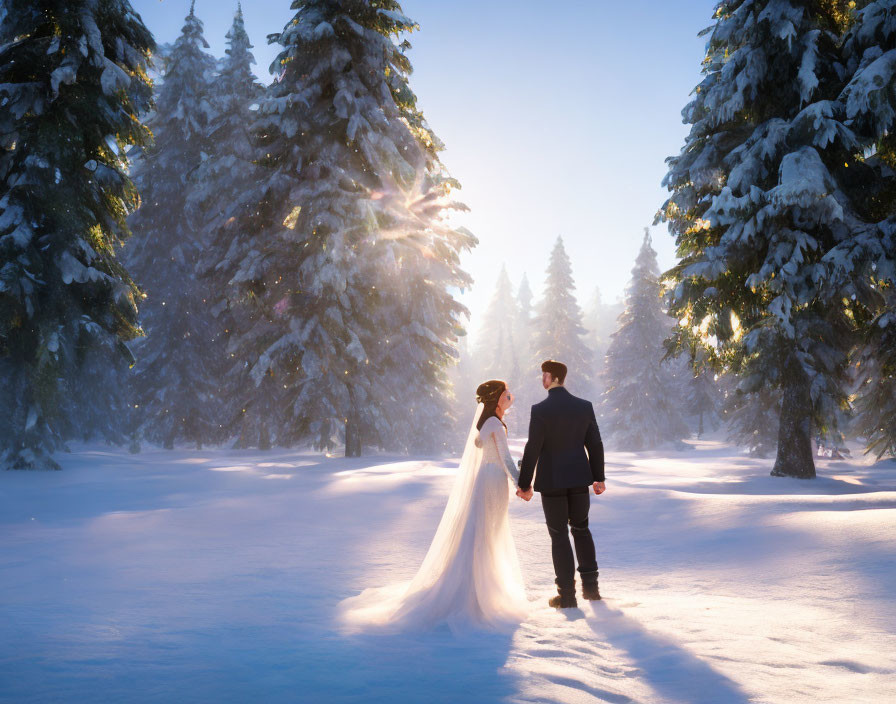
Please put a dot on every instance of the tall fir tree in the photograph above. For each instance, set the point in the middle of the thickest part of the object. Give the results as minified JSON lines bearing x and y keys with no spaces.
{"x":869,"y":50}
{"x":875,"y":367}
{"x":558,"y":332}
{"x":522,"y":329}
{"x":593,"y":322}
{"x":752,"y":416}
{"x":464,"y":378}
{"x":496,"y":342}
{"x":641,"y":406}
{"x":528,"y":389}
{"x":349,"y":276}
{"x":702,"y":395}
{"x":175,"y":376}
{"x":762,"y":194}
{"x":498,"y":348}
{"x":600,"y":322}
{"x":73,"y":84}
{"x":221,"y":195}
{"x":869,"y":102}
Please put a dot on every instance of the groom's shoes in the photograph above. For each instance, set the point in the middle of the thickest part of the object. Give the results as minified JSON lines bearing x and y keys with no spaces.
{"x":589,"y":586}
{"x":590,"y":591}
{"x":563,"y":601}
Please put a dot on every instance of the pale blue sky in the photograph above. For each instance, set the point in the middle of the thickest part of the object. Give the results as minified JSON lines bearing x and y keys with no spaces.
{"x":557,"y":117}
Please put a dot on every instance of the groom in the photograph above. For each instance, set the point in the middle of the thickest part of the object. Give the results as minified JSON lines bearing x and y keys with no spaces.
{"x":561,"y":429}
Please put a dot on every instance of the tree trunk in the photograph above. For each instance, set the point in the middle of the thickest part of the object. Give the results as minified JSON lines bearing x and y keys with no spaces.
{"x":794,"y":431}
{"x":352,"y":437}
{"x":242,"y":440}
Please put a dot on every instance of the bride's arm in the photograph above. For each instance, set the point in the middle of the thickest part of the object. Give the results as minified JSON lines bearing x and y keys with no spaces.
{"x":510,"y":467}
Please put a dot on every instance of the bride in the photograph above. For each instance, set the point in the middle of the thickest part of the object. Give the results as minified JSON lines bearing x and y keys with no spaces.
{"x":471,"y":575}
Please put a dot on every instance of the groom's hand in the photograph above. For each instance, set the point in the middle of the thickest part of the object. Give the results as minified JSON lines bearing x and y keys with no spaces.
{"x":599,"y":488}
{"x":525,"y":495}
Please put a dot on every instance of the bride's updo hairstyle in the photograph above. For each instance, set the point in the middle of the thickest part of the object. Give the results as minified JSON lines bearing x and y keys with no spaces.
{"x":488,"y":394}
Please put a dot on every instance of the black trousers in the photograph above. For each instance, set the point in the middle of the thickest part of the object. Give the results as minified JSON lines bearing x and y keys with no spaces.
{"x":567,"y":510}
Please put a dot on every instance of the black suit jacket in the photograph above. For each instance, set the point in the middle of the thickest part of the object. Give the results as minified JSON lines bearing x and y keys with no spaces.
{"x":561,"y":428}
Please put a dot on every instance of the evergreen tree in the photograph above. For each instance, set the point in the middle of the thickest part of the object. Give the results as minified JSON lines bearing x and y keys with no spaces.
{"x":221,"y":195}
{"x":702,"y":395}
{"x":640,"y":406}
{"x":701,"y":400}
{"x":464,"y":378}
{"x":351,"y":265}
{"x":156,"y":70}
{"x":761,"y":195}
{"x":500,"y":347}
{"x":176,"y":376}
{"x":228,"y":170}
{"x":875,"y":367}
{"x":600,"y":322}
{"x":594,"y":312}
{"x":528,"y":389}
{"x":869,"y":50}
{"x":558,"y":332}
{"x":869,"y":101}
{"x":752,"y":418}
{"x":72,"y":86}
{"x":522,"y":329}
{"x":496,"y":347}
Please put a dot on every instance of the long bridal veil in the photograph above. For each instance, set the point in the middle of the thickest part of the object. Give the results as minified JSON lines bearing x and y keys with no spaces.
{"x":471,"y":573}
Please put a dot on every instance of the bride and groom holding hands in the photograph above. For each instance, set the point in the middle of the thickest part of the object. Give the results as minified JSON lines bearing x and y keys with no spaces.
{"x":471,"y":574}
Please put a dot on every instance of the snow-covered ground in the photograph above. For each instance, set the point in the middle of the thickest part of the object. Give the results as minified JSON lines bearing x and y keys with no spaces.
{"x":213,"y":576}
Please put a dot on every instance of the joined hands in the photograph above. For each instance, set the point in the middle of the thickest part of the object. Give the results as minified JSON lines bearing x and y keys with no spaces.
{"x":599,"y":488}
{"x":525,"y":495}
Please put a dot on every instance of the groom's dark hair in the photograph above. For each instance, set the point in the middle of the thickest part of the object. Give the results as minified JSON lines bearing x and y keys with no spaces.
{"x":556,"y":369}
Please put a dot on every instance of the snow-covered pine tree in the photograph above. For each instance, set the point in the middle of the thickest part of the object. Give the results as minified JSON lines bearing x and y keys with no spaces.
{"x":522,"y":329}
{"x":498,"y":348}
{"x":496,"y":345}
{"x":228,"y":170}
{"x":869,"y":100}
{"x":72,"y":86}
{"x":528,"y":389}
{"x":221,"y":194}
{"x":557,"y":324}
{"x":464,"y":378}
{"x":176,"y":375}
{"x":758,"y":201}
{"x":875,"y":367}
{"x":600,"y":322}
{"x":640,"y":407}
{"x":702,"y":401}
{"x":352,"y":264}
{"x":423,"y":324}
{"x":752,"y":418}
{"x":156,"y":70}
{"x":702,"y":395}
{"x":593,"y":320}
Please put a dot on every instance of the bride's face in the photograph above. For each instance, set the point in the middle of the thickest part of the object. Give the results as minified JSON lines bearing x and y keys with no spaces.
{"x":506,"y":400}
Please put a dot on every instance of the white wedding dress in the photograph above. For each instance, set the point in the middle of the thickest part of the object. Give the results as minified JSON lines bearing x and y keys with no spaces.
{"x":470,"y":577}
